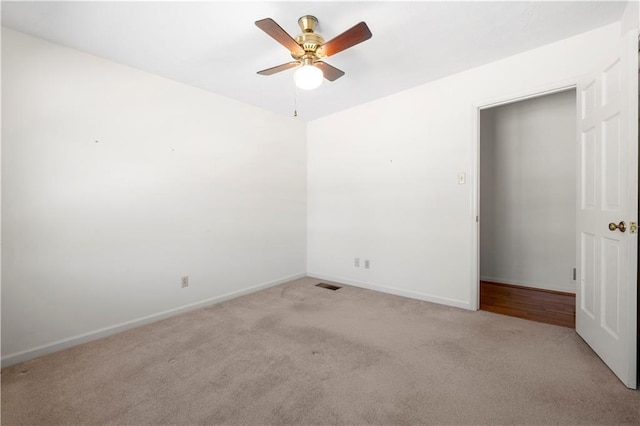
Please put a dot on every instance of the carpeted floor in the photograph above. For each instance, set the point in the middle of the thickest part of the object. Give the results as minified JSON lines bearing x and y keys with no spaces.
{"x":299,"y":354}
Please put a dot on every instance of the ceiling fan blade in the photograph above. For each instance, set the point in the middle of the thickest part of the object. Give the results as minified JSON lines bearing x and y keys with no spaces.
{"x":270,"y":27}
{"x":279,"y":68}
{"x":354,"y":35}
{"x":331,"y":73}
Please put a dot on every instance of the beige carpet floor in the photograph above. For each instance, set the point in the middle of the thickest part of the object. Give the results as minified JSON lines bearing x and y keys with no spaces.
{"x":299,"y":354}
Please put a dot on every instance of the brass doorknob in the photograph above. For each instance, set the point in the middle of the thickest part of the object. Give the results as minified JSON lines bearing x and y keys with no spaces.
{"x":621,"y":226}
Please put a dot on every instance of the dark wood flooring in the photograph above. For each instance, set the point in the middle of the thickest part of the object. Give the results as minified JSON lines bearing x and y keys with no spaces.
{"x":551,"y":307}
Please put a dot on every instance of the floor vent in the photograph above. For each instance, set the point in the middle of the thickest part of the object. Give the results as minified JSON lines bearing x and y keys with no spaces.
{"x":328,"y":286}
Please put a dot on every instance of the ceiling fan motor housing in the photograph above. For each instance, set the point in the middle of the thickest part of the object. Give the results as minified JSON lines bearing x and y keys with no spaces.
{"x":308,"y":39}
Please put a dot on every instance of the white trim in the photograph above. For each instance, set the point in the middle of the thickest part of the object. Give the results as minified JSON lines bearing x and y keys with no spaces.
{"x":28,"y":354}
{"x":567,"y":288}
{"x":390,"y":290}
{"x":474,"y":296}
{"x":528,"y":94}
{"x":477,"y":107}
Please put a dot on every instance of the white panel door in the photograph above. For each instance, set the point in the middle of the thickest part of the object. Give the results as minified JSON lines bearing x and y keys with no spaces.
{"x":606,"y":303}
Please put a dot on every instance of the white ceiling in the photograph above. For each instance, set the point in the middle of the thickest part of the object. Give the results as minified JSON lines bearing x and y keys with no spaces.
{"x":216,"y":46}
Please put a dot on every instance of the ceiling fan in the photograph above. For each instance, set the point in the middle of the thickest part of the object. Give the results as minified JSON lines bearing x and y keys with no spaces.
{"x":309,"y":48}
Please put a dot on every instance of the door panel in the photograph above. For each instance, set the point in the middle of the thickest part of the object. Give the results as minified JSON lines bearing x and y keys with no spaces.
{"x":611,"y":287}
{"x":588,"y":168}
{"x":607,"y":189}
{"x":588,"y":274}
{"x":611,"y":169}
{"x":611,"y":83}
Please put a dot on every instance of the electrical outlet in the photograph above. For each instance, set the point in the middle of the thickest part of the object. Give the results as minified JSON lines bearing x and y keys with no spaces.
{"x":366,"y":264}
{"x":356,"y":262}
{"x":184,"y":281}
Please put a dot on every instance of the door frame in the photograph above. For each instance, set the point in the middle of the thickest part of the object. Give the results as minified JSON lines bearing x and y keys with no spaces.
{"x":477,"y":108}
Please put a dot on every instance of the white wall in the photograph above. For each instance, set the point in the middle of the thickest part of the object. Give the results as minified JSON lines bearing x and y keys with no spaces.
{"x":116,"y":183}
{"x":382,"y":177}
{"x":631,"y":17}
{"x":528,"y":192}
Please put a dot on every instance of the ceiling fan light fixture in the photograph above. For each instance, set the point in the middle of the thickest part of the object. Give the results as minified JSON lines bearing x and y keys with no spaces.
{"x":308,"y":77}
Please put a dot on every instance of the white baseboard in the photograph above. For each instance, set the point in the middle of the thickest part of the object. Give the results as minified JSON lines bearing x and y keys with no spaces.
{"x":398,"y":292}
{"x":26,"y":355}
{"x":569,"y":288}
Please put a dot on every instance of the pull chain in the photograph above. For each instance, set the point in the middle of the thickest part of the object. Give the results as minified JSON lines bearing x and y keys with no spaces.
{"x":295,"y":100}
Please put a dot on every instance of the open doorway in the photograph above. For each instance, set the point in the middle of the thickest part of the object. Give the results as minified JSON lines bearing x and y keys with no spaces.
{"x":527,"y":205}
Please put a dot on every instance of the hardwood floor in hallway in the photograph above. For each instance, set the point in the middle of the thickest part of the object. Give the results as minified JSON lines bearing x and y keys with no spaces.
{"x":551,"y":307}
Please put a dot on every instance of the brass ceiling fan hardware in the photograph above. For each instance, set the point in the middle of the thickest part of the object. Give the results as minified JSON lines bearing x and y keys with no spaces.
{"x":308,"y":23}
{"x":309,"y":47}
{"x":308,"y":39}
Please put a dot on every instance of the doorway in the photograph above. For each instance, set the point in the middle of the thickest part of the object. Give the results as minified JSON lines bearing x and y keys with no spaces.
{"x":527,"y":201}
